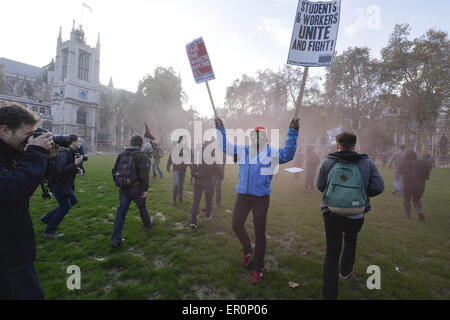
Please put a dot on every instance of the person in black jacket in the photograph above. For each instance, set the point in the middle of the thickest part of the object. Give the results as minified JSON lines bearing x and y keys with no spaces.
{"x":205,"y":176}
{"x":21,"y":172}
{"x":62,"y":184}
{"x":415,"y":174}
{"x":137,"y":192}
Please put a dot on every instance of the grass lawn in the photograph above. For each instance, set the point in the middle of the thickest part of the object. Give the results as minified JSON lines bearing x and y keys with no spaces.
{"x":170,"y":261}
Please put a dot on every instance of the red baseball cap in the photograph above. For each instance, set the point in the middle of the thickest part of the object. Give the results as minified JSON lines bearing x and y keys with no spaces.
{"x":261,"y":129}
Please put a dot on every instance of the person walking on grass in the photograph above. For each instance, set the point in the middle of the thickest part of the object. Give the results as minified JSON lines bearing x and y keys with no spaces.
{"x":179,"y":170}
{"x":396,"y":160}
{"x":415,"y":174}
{"x":157,"y":154}
{"x":312,"y":161}
{"x":256,"y":163}
{"x":347,"y":179}
{"x":131,"y":175}
{"x":205,"y":176}
{"x":68,"y":164}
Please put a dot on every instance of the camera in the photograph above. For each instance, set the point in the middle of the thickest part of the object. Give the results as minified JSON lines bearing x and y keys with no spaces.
{"x":62,"y":141}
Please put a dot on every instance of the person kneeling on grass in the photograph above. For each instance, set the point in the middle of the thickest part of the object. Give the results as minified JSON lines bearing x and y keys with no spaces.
{"x":256,"y":163}
{"x":347,"y":179}
{"x":131,"y":174}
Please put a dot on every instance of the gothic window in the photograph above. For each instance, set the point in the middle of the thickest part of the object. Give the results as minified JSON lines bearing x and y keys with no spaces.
{"x":81,"y":116}
{"x":65,"y":56}
{"x":83,"y":65}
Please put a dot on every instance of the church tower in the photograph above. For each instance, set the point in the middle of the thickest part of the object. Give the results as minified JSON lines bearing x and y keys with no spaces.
{"x":76,"y":87}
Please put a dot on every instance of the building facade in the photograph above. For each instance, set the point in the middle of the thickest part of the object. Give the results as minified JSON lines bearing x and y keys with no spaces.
{"x":66,"y":93}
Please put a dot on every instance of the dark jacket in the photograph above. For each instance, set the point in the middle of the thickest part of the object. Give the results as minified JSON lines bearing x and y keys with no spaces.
{"x":312,"y":161}
{"x":155,"y":148}
{"x":181,"y":166}
{"x":372,"y":179}
{"x":206,"y":174}
{"x":62,"y":177}
{"x":142,"y":165}
{"x":20,"y":175}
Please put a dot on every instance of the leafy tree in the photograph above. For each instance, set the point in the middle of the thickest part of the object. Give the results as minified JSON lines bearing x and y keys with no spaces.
{"x":160,"y":99}
{"x":352,"y":86}
{"x":416,"y":74}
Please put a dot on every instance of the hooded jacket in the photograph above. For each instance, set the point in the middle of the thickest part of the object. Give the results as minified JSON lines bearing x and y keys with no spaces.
{"x":256,"y":172}
{"x":20,"y":175}
{"x":372,"y":179}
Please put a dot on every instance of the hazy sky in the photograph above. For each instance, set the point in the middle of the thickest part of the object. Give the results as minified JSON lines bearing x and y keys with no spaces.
{"x":241,"y":36}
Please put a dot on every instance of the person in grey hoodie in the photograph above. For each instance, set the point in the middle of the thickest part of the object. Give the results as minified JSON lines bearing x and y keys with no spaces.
{"x":336,"y":226}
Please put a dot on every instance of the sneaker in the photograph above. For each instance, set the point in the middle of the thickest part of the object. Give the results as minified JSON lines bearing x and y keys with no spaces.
{"x":346,"y":276}
{"x":209,"y":218}
{"x":152,"y":222}
{"x":395,"y":192}
{"x":45,"y":219}
{"x":257,"y":276}
{"x":246,"y":258}
{"x":193,"y":226}
{"x":53,"y":235}
{"x":421,"y":217}
{"x":116,"y":244}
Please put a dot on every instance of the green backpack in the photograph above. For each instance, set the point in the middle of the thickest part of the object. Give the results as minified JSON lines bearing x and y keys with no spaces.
{"x":345,"y":194}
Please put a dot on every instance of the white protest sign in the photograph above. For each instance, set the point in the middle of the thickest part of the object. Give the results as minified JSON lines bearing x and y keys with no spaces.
{"x":199,"y":60}
{"x":315,"y":32}
{"x":332,"y":134}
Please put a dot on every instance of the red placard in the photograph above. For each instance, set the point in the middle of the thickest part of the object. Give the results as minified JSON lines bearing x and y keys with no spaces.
{"x":199,"y":60}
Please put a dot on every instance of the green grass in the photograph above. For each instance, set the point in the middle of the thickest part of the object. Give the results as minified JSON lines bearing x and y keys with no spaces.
{"x":169,"y":261}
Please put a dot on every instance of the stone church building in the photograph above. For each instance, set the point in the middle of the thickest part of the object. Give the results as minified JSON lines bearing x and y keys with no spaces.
{"x":66,"y":92}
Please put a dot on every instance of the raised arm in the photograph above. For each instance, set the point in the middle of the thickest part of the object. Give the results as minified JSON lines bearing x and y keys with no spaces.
{"x":227,"y":147}
{"x":287,"y":153}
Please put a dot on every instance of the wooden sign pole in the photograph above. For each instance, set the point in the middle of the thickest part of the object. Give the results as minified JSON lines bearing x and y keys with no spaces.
{"x":300,"y":95}
{"x":211,"y":98}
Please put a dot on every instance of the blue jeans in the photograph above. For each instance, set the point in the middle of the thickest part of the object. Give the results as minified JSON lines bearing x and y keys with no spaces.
{"x":155,"y":167}
{"x":398,"y":181}
{"x":178,"y":185}
{"x":56,"y":216}
{"x":125,"y":199}
{"x":20,"y":283}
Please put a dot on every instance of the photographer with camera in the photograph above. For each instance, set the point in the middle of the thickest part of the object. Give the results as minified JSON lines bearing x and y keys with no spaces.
{"x":61,"y":182}
{"x":21,"y":172}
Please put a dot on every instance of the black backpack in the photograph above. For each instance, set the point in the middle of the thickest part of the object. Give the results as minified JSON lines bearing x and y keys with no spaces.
{"x":124,"y":171}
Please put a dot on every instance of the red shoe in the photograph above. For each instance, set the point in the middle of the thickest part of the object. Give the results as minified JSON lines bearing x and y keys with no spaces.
{"x":257,"y":276}
{"x":246,"y":258}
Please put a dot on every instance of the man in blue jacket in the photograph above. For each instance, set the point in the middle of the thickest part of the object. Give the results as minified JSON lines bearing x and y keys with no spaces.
{"x":336,"y":225}
{"x":256,"y":163}
{"x":21,"y":172}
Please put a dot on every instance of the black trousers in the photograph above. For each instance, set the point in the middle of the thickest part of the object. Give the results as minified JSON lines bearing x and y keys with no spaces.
{"x":335,"y":228}
{"x":20,"y":283}
{"x":259,"y":206}
{"x":198,"y":191}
